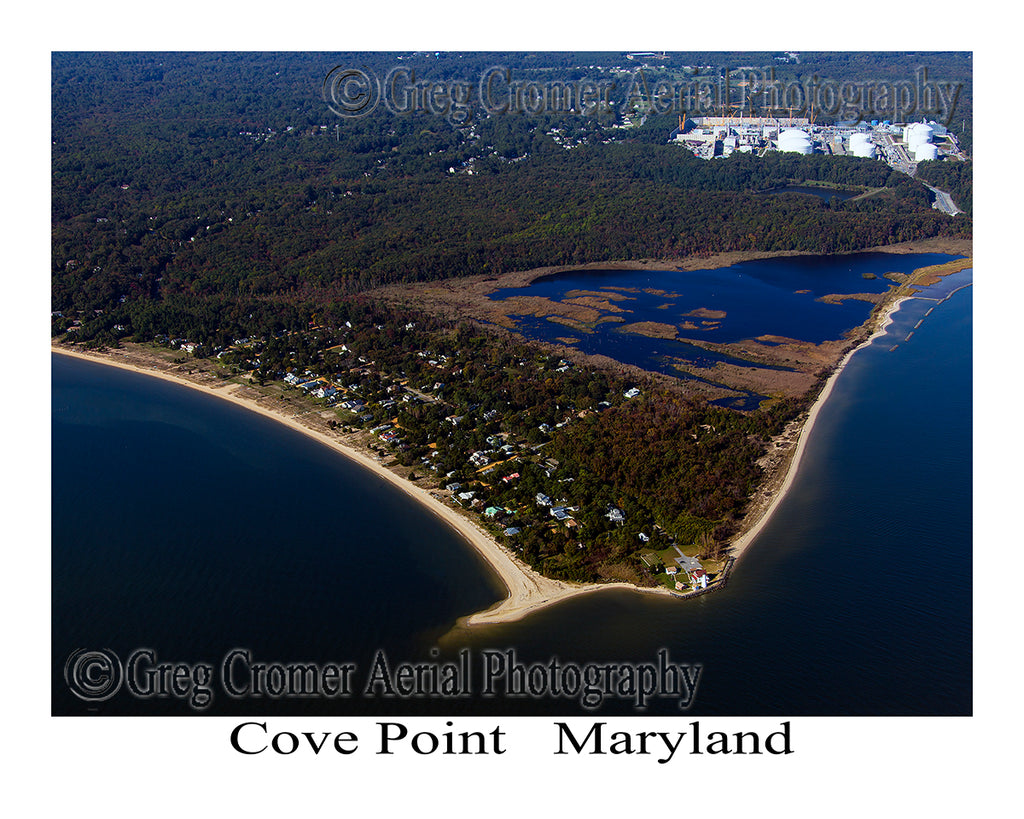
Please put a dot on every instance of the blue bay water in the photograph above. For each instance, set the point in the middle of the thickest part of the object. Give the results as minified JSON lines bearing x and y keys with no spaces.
{"x":184,"y":524}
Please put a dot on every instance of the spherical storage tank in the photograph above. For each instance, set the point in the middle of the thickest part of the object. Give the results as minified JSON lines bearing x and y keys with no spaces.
{"x":795,"y":141}
{"x":925,"y":151}
{"x":861,"y":145}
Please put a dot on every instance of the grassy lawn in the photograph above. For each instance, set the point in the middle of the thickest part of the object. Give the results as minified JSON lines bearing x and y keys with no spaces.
{"x":669,"y":581}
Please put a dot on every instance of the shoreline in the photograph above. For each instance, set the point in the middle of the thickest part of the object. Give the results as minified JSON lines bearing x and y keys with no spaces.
{"x":527,"y":590}
{"x":904,"y":292}
{"x":748,"y":536}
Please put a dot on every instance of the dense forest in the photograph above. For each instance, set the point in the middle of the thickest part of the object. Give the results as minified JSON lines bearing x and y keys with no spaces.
{"x":205,"y":194}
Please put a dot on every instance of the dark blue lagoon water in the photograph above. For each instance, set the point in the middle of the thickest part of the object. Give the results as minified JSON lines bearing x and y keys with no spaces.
{"x":778,"y":297}
{"x":186,"y":525}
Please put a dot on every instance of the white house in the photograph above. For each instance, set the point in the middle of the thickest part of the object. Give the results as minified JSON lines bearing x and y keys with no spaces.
{"x":615,"y":515}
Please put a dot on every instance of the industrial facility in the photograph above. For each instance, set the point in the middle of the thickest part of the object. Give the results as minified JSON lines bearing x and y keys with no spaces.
{"x":902,"y":146}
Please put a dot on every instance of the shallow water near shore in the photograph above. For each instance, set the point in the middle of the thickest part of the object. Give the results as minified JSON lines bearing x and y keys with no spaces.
{"x":189,"y":526}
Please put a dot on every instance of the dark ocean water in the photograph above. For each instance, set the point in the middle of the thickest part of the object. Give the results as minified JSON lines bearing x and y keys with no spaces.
{"x":190,"y":527}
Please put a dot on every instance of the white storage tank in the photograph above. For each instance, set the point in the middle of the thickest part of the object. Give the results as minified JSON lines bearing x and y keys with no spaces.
{"x":795,"y":141}
{"x":862,"y":146}
{"x":925,"y":151}
{"x":917,"y":134}
{"x":796,"y":147}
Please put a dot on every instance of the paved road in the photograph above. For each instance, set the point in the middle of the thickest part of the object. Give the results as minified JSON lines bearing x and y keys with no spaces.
{"x":687,"y":563}
{"x":943,"y":201}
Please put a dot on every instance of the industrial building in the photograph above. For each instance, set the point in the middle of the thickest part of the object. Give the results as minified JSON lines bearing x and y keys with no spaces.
{"x":902,"y":146}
